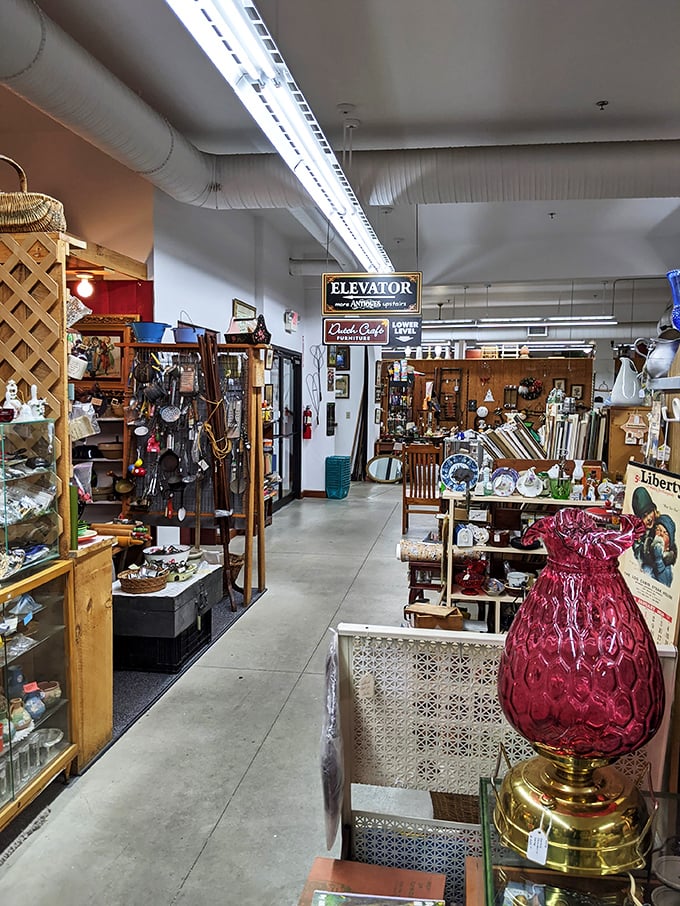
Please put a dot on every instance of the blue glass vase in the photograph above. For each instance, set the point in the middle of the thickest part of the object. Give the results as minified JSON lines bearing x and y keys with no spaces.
{"x":674,"y":280}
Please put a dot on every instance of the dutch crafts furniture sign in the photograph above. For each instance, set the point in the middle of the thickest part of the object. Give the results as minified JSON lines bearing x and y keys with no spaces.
{"x":371,"y":294}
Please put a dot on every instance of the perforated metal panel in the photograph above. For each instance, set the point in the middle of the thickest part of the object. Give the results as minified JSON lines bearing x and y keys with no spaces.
{"x":435,"y":846}
{"x":420,"y":711}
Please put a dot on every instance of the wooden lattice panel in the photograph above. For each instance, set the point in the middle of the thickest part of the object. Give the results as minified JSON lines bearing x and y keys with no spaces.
{"x":33,"y":334}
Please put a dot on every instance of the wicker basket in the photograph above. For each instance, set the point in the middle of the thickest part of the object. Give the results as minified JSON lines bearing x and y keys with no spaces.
{"x":132,"y":584}
{"x":29,"y":212}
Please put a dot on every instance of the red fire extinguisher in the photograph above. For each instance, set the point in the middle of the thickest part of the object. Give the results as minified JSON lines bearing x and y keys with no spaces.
{"x":307,"y":423}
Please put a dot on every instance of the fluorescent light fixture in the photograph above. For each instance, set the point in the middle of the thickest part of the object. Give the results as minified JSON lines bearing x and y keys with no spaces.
{"x":234,"y":37}
{"x":505,"y":323}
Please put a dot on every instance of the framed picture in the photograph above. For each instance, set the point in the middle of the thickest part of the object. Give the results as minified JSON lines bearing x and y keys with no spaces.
{"x":269,"y":394}
{"x":378,"y":395}
{"x":330,"y":356}
{"x":342,"y":358}
{"x":377,"y":416}
{"x":559,"y":383}
{"x":241,"y":311}
{"x":330,"y":381}
{"x":269,"y":359}
{"x":98,"y":339}
{"x":378,"y":372}
{"x":342,"y":386}
{"x":577,"y":391}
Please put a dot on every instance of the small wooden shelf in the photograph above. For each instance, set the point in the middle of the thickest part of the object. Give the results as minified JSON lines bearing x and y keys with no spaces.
{"x":494,"y":549}
{"x":516,"y":498}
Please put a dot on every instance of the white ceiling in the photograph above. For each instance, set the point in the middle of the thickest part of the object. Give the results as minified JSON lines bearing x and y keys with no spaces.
{"x":442,"y":73}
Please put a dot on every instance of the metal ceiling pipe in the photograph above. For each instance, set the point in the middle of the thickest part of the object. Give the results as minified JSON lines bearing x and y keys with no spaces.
{"x":311,"y":267}
{"x":42,"y":64}
{"x":580,"y":171}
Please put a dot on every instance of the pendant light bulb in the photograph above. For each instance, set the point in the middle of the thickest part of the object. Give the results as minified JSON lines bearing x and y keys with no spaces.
{"x":84,"y":287}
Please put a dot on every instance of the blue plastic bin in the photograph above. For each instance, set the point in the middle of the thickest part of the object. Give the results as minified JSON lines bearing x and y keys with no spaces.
{"x":338,"y":476}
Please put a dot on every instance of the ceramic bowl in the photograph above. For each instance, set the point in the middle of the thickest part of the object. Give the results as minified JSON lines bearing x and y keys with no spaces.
{"x":51,"y":692}
{"x":176,"y":553}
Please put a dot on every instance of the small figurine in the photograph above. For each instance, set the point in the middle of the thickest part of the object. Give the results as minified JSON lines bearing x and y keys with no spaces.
{"x":12,"y":400}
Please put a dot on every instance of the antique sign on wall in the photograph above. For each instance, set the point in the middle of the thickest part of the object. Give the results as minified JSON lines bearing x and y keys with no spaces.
{"x":651,"y":567}
{"x":356,"y":331}
{"x":371,"y":294}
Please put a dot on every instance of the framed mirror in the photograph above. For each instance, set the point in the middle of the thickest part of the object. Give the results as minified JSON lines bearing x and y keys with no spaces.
{"x":384,"y":469}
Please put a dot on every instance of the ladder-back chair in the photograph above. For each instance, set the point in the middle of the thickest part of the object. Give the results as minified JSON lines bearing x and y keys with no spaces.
{"x":420,"y":481}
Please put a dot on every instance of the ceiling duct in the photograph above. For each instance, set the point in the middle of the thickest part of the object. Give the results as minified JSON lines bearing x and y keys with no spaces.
{"x":43,"y":65}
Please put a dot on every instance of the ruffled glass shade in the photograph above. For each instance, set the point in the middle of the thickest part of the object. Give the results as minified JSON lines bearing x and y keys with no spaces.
{"x":580,"y":674}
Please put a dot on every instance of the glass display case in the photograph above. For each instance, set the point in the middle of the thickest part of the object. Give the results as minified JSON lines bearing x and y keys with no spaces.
{"x":35,"y":742}
{"x":509,"y":878}
{"x":29,"y":519}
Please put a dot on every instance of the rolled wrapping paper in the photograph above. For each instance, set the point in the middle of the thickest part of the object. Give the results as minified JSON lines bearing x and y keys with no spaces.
{"x":425,"y":551}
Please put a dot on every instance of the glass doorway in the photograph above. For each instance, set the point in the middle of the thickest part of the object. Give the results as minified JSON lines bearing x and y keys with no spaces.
{"x":286,"y":425}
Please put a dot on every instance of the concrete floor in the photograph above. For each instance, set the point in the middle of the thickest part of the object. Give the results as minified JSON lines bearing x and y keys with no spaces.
{"x":214,"y":796}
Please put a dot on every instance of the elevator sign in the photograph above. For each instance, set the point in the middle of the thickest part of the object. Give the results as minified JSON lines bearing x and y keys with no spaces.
{"x":371,"y":294}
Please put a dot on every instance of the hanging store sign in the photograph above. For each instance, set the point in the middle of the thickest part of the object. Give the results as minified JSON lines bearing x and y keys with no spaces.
{"x":357,"y":331}
{"x":405,"y":332}
{"x":371,"y":294}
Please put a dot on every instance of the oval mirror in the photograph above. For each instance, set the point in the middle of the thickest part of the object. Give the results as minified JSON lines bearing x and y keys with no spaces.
{"x":385,"y":469}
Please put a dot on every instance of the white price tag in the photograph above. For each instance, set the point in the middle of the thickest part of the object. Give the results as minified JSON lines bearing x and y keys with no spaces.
{"x":203,"y":465}
{"x":537,"y":842}
{"x":537,"y":846}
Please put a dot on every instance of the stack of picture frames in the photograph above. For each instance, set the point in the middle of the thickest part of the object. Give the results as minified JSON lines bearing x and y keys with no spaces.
{"x":338,"y":361}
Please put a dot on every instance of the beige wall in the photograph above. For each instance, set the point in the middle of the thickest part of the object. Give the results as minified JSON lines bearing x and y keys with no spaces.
{"x":104,"y":202}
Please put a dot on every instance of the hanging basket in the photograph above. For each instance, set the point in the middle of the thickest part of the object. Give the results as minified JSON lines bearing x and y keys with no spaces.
{"x":29,"y":212}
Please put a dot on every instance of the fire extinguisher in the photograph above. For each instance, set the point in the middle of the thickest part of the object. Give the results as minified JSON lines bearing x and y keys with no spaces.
{"x":307,"y":423}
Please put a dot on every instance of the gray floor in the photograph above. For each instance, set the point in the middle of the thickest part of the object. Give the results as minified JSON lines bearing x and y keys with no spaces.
{"x":214,"y":796}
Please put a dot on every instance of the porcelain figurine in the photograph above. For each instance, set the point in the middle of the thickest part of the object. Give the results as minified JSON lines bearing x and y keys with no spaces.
{"x":12,"y":400}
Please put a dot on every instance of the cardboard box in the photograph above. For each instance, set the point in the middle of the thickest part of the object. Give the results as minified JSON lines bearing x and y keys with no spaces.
{"x":344,"y":876}
{"x":433,"y":616}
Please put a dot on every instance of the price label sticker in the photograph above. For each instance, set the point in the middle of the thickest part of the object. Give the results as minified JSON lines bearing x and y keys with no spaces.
{"x":537,"y":846}
{"x":203,"y":465}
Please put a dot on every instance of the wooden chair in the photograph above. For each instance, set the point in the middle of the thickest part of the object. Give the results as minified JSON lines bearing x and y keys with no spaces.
{"x":420,"y":481}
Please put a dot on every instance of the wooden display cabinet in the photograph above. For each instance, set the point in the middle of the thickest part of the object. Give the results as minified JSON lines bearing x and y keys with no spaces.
{"x":38,"y":651}
{"x":463,"y":385}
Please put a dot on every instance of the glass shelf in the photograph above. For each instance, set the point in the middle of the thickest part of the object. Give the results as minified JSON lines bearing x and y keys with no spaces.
{"x":507,"y":874}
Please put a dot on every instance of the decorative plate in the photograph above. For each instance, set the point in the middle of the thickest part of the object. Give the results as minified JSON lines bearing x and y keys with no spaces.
{"x":529,"y":484}
{"x":458,"y":472}
{"x":494,"y":586}
{"x":504,"y":481}
{"x":667,"y":870}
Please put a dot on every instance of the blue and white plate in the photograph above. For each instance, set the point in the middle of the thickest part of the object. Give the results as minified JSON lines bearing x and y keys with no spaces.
{"x":504,"y":481}
{"x":458,"y":472}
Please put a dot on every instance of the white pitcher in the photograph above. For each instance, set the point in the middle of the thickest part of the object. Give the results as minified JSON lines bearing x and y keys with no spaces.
{"x":659,"y":354}
{"x":626,"y":389}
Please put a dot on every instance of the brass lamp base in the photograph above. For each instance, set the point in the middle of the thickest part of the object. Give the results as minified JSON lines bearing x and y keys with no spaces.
{"x":595,"y":819}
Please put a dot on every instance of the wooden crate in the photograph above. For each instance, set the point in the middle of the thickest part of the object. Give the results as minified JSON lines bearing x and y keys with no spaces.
{"x":33,"y":337}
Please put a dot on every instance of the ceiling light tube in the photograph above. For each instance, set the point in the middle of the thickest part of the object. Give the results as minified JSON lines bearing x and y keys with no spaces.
{"x":243,"y":38}
{"x":236,"y":40}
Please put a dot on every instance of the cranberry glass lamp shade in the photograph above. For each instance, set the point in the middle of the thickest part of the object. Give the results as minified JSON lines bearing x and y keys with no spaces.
{"x":580,"y":674}
{"x":581,"y":679}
